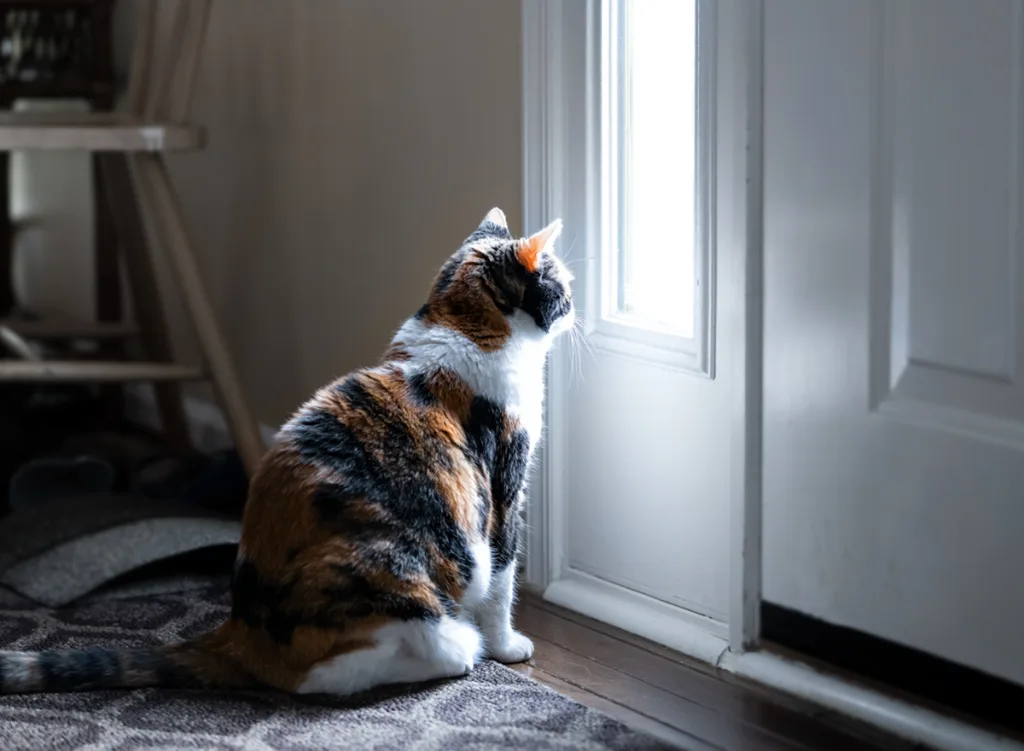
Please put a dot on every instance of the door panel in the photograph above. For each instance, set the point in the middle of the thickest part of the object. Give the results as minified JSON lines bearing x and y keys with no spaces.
{"x":894,"y":410}
{"x":948,"y":260}
{"x":646,"y":510}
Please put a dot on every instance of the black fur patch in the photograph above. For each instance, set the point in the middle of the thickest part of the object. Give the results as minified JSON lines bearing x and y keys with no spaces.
{"x":332,"y":503}
{"x":250,"y":601}
{"x":482,"y":430}
{"x":419,"y":388}
{"x":506,"y":463}
{"x":509,"y":473}
{"x":261,"y":604}
{"x":403,"y":487}
{"x":507,"y":482}
{"x":538,"y":294}
{"x":447,"y":273}
{"x":545,"y":300}
{"x":355,"y":597}
{"x":79,"y":670}
{"x":509,"y":277}
{"x":505,"y":541}
{"x":268,"y":605}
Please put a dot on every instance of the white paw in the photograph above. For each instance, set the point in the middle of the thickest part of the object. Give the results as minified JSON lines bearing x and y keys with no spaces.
{"x":510,"y":647}
{"x":458,"y":647}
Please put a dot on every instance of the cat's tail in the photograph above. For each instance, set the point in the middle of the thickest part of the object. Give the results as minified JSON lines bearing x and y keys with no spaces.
{"x":198,"y":663}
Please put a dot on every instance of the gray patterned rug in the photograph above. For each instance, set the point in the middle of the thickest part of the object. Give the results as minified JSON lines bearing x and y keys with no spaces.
{"x":493,"y":708}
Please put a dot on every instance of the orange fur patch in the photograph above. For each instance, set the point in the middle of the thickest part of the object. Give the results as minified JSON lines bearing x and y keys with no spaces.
{"x":464,"y":307}
{"x":529,"y":252}
{"x":279,"y":500}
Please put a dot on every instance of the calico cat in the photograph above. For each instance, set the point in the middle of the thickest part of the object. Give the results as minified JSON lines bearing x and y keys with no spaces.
{"x":381,"y":531}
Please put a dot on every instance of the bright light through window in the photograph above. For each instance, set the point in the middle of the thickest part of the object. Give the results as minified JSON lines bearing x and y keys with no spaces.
{"x":657,"y":145}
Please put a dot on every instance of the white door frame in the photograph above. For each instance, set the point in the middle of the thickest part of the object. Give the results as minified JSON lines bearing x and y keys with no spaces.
{"x":747,"y":343}
{"x":554,"y":183}
{"x":543,"y":178}
{"x":555,"y":174}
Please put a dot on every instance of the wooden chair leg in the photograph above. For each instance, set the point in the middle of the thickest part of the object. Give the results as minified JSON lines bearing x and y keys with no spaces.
{"x":121,"y":200}
{"x":163,"y":205}
{"x":108,"y":290}
{"x":7,"y":297}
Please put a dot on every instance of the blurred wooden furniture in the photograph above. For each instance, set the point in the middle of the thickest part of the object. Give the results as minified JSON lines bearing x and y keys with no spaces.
{"x":130,"y":145}
{"x":58,"y":49}
{"x":63,"y":49}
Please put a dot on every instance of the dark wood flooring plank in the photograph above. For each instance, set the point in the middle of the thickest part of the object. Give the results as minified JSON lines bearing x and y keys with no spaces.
{"x":728,"y":700}
{"x":625,"y":715}
{"x":680,"y":713}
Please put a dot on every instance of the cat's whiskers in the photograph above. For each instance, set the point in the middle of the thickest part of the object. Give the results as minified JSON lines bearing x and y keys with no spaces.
{"x":583,"y":347}
{"x":572,"y":262}
{"x":574,"y":359}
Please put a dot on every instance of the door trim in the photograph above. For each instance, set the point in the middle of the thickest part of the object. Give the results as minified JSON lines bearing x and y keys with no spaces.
{"x":747,"y":340}
{"x":555,"y":36}
{"x":544,"y":168}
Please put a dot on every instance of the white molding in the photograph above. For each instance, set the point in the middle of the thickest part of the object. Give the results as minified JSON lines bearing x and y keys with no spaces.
{"x":687,"y":632}
{"x":980,"y":427}
{"x":558,"y":49}
{"x":664,"y":350}
{"x":542,"y":128}
{"x":745,"y":191}
{"x":896,"y":716}
{"x":621,"y":334}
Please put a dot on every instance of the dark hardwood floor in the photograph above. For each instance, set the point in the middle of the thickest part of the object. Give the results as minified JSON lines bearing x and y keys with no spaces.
{"x":673,"y":697}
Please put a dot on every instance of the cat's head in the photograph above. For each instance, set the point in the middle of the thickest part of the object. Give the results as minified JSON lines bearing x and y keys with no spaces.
{"x":496,"y":287}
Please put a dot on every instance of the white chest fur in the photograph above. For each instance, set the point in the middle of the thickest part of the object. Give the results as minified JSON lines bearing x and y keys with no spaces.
{"x":512,"y":377}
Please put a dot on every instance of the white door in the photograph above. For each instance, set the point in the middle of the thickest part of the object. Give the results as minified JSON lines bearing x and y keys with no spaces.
{"x":638,"y":445}
{"x":894,"y":328}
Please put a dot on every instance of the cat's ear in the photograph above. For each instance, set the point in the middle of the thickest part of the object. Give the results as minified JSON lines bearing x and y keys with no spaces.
{"x":535,"y":246}
{"x":495,"y":216}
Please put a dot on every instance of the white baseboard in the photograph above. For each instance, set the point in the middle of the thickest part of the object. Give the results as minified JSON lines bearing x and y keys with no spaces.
{"x":207,"y":427}
{"x":682,"y":630}
{"x":901,"y":718}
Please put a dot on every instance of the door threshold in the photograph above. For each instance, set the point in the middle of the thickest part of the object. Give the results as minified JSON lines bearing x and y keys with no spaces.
{"x":893,"y":714}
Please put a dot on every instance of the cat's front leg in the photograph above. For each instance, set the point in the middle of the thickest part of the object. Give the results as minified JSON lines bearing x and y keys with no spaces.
{"x":494,"y":617}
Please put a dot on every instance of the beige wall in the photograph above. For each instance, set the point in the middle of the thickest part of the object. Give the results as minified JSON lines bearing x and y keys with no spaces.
{"x":353,"y":145}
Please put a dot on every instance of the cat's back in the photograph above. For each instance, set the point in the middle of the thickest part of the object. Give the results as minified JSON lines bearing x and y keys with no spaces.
{"x":373,"y":424}
{"x":376,"y":449}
